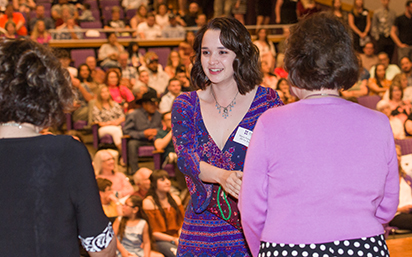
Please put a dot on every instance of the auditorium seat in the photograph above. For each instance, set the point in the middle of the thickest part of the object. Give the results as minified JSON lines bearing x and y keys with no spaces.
{"x":369,"y":101}
{"x":91,"y":25}
{"x":130,"y":13}
{"x":163,"y":53}
{"x":79,"y":55}
{"x":405,"y":144}
{"x":110,"y":3}
{"x":107,"y":14}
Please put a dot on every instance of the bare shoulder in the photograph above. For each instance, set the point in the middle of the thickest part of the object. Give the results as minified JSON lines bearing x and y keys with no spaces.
{"x":176,"y":198}
{"x":148,"y":204}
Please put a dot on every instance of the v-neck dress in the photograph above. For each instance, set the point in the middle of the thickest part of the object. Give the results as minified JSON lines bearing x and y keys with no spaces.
{"x":203,"y":233}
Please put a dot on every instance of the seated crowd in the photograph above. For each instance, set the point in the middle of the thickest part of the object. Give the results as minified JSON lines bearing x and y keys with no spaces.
{"x":67,"y":18}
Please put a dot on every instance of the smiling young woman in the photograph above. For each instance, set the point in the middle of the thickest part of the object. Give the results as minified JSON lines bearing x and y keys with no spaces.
{"x":211,"y":130}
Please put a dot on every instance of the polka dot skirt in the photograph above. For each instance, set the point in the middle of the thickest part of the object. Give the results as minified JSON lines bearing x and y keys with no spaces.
{"x":366,"y":246}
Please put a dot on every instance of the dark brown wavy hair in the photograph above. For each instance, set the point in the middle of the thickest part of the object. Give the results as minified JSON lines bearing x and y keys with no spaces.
{"x":319,"y":54}
{"x":34,"y":88}
{"x":154,"y":177}
{"x":235,"y":37}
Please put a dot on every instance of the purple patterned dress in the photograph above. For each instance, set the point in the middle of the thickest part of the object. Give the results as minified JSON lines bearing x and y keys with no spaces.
{"x":203,"y":233}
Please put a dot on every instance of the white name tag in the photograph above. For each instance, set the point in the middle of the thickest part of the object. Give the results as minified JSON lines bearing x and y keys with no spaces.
{"x":243,"y":136}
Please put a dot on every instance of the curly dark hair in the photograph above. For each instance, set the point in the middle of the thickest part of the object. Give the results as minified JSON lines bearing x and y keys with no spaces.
{"x":235,"y":37}
{"x":320,"y":55}
{"x":34,"y":88}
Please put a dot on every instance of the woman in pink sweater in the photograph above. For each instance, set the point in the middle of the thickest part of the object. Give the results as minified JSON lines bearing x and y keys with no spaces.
{"x":321,"y":174}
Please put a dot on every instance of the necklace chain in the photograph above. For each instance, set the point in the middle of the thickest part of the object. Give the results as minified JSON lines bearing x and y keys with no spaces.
{"x":321,"y":95}
{"x":226,"y":109}
{"x":18,"y":125}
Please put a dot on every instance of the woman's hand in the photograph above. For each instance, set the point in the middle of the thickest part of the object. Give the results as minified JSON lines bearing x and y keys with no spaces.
{"x":176,"y":240}
{"x":231,"y":182}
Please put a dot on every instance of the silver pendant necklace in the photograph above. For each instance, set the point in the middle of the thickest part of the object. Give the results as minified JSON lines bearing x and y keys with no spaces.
{"x":228,"y":108}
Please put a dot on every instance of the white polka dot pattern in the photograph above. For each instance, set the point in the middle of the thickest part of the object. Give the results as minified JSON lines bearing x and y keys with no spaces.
{"x":363,"y":247}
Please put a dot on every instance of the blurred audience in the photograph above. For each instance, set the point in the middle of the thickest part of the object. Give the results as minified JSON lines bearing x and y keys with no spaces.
{"x":109,"y":52}
{"x":149,"y":29}
{"x":267,"y":50}
{"x":111,"y":205}
{"x":360,"y":23}
{"x":369,"y":59}
{"x":378,"y":83}
{"x":403,"y":216}
{"x":106,"y":167}
{"x":390,"y":69}
{"x":40,"y":15}
{"x":158,"y":78}
{"x":108,"y":115}
{"x":128,"y":72}
{"x":40,"y":34}
{"x":119,"y":93}
{"x":174,"y":89}
{"x":141,"y":179}
{"x":396,"y":124}
{"x":136,"y":59}
{"x":16,"y":17}
{"x":173,"y":61}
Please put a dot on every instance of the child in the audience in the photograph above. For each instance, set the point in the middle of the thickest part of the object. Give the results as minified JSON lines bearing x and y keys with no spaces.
{"x":111,"y":205}
{"x":132,"y":230}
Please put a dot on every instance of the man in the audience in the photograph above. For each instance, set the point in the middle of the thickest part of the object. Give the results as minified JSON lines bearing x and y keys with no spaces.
{"x":111,"y":205}
{"x":189,"y":19}
{"x":184,"y":80}
{"x":173,"y":29}
{"x":163,"y":142}
{"x":141,"y":82}
{"x":97,"y":73}
{"x":391,"y":69}
{"x":369,"y":59}
{"x":56,"y":10}
{"x":406,"y":66}
{"x":382,"y":22}
{"x":109,"y":53}
{"x":149,"y":29}
{"x":115,"y":22}
{"x":48,"y":22}
{"x":16,"y":17}
{"x":401,"y":32}
{"x":142,"y":181}
{"x":84,"y":95}
{"x":158,"y":78}
{"x":68,"y":30}
{"x":65,"y":60}
{"x":128,"y":72}
{"x":174,"y":89}
{"x":142,"y":125}
{"x":201,"y":20}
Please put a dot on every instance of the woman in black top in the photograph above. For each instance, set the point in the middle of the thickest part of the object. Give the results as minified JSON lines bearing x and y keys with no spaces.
{"x":360,"y":23}
{"x":49,"y":194}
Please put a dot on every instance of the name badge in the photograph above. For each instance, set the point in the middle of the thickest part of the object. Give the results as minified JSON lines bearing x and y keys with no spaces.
{"x":243,"y":136}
